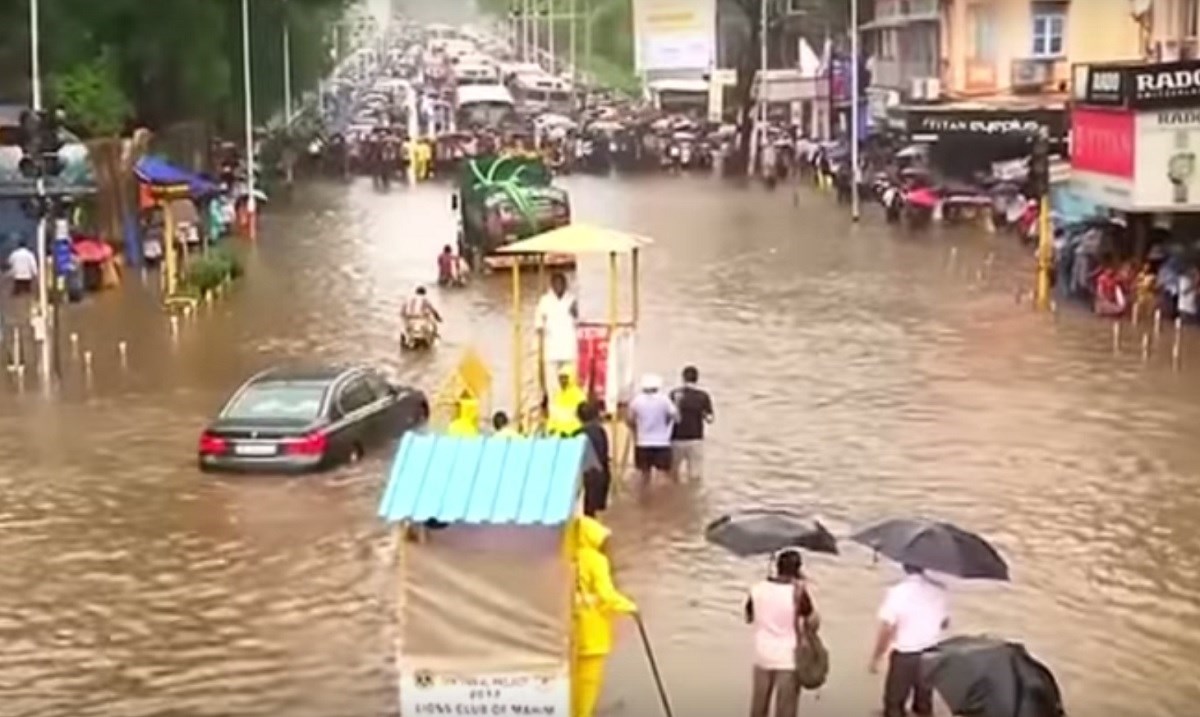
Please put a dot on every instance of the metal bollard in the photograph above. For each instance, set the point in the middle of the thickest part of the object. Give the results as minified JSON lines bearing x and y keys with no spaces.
{"x":87,"y":361}
{"x":1133,"y":316}
{"x":174,"y":325}
{"x":1116,"y":336}
{"x":1145,"y":347}
{"x":18,"y":363}
{"x":1157,"y":322}
{"x":1177,"y":345}
{"x":187,"y":311}
{"x":123,"y":352}
{"x":74,"y":344}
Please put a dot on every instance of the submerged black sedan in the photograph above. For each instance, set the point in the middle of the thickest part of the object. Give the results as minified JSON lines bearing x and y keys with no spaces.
{"x":292,"y":420}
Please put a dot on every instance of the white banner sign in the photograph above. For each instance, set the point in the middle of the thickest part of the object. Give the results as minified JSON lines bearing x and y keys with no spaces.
{"x":675,"y":34}
{"x":1167,"y":166}
{"x":427,"y":694}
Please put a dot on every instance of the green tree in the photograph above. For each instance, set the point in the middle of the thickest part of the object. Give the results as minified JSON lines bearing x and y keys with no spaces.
{"x":91,"y":95}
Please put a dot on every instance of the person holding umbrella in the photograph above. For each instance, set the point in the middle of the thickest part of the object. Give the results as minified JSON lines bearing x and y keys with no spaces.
{"x":780,"y":609}
{"x":911,"y":620}
{"x":916,"y":610}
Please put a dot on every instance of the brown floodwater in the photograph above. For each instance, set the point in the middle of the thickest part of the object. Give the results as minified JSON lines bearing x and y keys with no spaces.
{"x":858,"y":372}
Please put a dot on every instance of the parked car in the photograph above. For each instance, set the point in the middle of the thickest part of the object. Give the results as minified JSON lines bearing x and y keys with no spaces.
{"x":296,"y":420}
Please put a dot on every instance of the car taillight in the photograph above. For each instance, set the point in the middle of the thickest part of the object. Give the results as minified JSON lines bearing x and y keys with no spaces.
{"x":312,"y":444}
{"x":211,"y":445}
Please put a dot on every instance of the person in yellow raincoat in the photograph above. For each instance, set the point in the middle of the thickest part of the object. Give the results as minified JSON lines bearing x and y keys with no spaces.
{"x":563,"y":416}
{"x":466,"y":419}
{"x":597,"y":601}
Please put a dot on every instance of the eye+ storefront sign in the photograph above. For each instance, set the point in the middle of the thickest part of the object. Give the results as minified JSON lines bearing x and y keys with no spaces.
{"x":946,"y":123}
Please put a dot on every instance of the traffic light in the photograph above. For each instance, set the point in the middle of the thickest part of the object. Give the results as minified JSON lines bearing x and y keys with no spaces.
{"x":1039,"y":166}
{"x":49,"y":142}
{"x":28,"y":138}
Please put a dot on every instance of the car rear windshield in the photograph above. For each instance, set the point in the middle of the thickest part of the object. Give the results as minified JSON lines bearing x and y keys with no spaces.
{"x":278,"y":400}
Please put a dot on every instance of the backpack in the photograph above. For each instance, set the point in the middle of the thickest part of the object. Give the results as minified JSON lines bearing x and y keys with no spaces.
{"x":812,"y":657}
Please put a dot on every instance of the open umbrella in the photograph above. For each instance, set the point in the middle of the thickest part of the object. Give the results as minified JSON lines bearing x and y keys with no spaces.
{"x":755,"y":532}
{"x":942,"y":547}
{"x":986,"y":677}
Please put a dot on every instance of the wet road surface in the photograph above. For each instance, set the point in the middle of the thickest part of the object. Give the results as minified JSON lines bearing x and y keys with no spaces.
{"x":857,"y":372}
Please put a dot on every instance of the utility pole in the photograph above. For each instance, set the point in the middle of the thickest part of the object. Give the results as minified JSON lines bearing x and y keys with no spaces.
{"x":574,"y":10}
{"x":251,"y":200}
{"x":40,"y":323}
{"x":854,"y":109}
{"x":525,"y":39}
{"x":1039,"y":170}
{"x":759,"y":135}
{"x":287,"y":68}
{"x":550,"y":35}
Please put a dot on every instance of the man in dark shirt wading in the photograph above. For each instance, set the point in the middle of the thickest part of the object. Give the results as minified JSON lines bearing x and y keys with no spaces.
{"x":687,"y":438}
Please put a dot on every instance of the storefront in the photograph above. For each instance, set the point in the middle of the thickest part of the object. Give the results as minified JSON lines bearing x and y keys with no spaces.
{"x":966,"y":139}
{"x":1136,"y":136}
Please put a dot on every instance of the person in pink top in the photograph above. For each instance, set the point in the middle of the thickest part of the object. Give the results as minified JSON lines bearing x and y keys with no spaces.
{"x":777,"y":608}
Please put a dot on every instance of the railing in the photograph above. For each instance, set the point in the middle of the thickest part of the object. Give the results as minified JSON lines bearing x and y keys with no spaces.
{"x":899,"y":74}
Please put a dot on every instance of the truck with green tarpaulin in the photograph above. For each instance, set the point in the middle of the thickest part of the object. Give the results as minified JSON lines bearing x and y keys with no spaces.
{"x":501,"y":199}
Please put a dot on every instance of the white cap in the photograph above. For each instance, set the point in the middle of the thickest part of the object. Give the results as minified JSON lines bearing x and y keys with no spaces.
{"x":651,"y":382}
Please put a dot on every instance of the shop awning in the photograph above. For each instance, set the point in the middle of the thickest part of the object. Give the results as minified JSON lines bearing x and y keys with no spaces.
{"x":484,"y":480}
{"x":159,"y":172}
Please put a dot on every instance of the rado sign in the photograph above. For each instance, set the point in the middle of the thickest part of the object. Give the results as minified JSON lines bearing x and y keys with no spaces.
{"x":1165,"y":85}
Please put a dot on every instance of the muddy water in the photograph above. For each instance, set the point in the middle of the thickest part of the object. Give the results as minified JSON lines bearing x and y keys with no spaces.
{"x":857,"y":373}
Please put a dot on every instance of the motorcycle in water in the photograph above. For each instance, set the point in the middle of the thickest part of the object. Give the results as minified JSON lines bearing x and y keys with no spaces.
{"x":419,"y":334}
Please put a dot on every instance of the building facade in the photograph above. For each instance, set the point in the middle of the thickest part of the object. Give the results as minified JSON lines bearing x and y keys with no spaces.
{"x":993,"y":52}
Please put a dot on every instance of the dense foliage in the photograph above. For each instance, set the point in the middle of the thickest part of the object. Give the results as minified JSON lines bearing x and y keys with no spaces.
{"x":155,"y":63}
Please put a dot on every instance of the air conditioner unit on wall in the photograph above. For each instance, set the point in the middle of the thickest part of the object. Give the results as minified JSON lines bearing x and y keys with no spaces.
{"x":925,"y":89}
{"x":1031,"y":74}
{"x":916,"y":88}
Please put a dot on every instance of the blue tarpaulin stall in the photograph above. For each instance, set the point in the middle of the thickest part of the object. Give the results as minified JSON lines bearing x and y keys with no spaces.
{"x":159,"y":172}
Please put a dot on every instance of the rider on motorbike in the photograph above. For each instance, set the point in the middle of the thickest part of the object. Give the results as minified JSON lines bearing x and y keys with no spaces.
{"x":419,"y":315}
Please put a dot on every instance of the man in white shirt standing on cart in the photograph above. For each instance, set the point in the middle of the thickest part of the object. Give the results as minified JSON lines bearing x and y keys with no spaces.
{"x":557,"y":313}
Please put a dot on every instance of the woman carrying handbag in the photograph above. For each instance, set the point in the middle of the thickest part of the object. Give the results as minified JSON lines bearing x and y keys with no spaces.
{"x":781,"y":611}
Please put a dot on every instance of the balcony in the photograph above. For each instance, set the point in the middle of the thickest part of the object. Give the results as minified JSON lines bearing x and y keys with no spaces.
{"x":893,"y":13}
{"x":899,"y":74}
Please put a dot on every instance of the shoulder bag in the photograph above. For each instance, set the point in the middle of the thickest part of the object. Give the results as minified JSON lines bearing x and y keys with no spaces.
{"x":812,"y":658}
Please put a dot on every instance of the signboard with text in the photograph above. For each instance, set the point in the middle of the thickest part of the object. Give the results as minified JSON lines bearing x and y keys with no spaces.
{"x":1161,"y":85}
{"x":1168,"y":143}
{"x":424,"y":693}
{"x":675,"y":34}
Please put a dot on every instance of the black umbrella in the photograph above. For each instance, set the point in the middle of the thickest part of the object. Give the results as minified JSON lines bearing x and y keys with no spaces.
{"x":935,"y":546}
{"x":755,"y":532}
{"x":985,"y":677}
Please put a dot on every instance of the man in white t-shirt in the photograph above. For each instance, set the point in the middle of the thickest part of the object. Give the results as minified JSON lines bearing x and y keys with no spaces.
{"x":23,"y":266}
{"x":555,"y":324}
{"x":913,"y":615}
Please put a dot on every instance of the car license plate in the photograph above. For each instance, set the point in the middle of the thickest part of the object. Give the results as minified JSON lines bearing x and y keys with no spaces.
{"x":254,"y":449}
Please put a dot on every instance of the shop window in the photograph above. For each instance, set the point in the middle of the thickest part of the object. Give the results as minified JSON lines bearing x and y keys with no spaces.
{"x":1049,"y":22}
{"x":983,"y":33}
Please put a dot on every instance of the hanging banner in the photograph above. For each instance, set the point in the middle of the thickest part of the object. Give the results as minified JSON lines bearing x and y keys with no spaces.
{"x":593,"y":359}
{"x":674,"y":34}
{"x":424,"y":693}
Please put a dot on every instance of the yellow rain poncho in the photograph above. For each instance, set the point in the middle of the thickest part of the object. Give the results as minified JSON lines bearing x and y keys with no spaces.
{"x":466,"y":423}
{"x":563,"y":418}
{"x":597,"y":601}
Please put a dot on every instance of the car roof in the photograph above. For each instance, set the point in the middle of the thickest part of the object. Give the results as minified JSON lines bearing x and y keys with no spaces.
{"x":308,"y":373}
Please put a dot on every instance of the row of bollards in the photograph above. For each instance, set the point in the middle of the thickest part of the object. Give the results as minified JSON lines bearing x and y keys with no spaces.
{"x":1148,"y":338}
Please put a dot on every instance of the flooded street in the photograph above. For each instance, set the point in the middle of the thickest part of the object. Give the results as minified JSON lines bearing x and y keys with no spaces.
{"x":857,"y":372}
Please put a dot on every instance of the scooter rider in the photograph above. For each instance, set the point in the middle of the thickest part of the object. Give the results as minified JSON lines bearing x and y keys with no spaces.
{"x":419,"y":315}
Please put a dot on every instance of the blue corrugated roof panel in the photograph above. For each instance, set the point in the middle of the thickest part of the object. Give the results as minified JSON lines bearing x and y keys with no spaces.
{"x":484,"y":480}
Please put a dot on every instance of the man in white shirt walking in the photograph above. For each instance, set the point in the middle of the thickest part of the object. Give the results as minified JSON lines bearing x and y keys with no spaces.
{"x":23,"y":267}
{"x":555,"y":320}
{"x":911,"y":620}
{"x":652,"y":416}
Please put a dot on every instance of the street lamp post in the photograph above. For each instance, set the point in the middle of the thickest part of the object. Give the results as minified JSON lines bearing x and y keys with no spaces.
{"x":760,"y":130}
{"x":287,"y":68}
{"x":40,"y":324}
{"x":854,"y":111}
{"x":574,"y":9}
{"x":525,"y":35}
{"x":248,"y":100}
{"x":550,"y":34}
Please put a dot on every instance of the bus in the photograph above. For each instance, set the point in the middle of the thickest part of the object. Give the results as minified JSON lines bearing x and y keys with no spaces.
{"x":540,"y":92}
{"x":486,"y":106}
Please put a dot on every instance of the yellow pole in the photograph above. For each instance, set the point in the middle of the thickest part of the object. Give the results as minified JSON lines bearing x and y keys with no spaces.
{"x":1045,"y":255}
{"x":541,"y":336}
{"x":635,"y":293}
{"x":171,"y":278}
{"x":516,"y":320}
